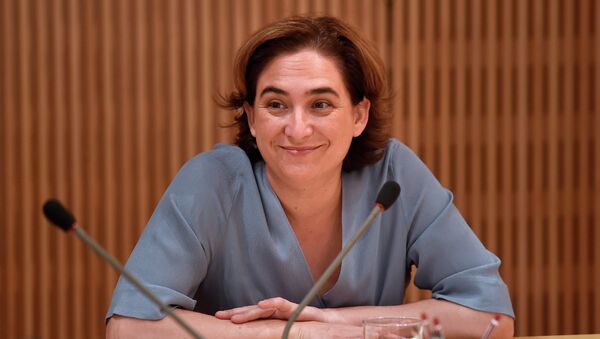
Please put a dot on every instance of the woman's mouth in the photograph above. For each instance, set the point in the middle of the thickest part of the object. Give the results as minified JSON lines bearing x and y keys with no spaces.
{"x":299,"y":150}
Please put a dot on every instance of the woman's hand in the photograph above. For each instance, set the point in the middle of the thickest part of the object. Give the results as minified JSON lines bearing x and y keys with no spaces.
{"x":273,"y":308}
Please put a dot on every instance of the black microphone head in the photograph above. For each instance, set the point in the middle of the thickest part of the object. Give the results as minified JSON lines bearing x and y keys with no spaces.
{"x":58,"y":215}
{"x":388,"y":194}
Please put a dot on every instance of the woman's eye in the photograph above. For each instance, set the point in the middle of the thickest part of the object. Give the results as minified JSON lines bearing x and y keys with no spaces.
{"x":321,"y":105}
{"x":275,"y":105}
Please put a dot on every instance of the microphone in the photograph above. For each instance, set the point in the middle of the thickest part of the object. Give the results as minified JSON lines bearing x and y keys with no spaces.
{"x":385,"y":198}
{"x":61,"y":217}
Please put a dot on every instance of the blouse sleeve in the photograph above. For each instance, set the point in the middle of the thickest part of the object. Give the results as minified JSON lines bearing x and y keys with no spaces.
{"x":173,"y":253}
{"x":451,"y":261}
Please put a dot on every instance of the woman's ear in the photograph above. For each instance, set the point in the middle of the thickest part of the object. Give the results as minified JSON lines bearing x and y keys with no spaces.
{"x":250,"y":116}
{"x":361,"y":116}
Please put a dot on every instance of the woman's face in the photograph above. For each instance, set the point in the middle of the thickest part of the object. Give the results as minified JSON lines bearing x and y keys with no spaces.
{"x":303,"y":118}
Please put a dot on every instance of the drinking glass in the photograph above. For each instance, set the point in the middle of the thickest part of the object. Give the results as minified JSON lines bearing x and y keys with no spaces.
{"x":392,"y":327}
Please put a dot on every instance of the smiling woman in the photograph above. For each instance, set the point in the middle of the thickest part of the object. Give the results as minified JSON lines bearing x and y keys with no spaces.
{"x":243,"y":231}
{"x":357,"y":63}
{"x":303,"y":120}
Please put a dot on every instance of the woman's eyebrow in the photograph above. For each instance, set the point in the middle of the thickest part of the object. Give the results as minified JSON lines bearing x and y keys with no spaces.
{"x":318,"y":90}
{"x":272,"y":89}
{"x":323,"y":90}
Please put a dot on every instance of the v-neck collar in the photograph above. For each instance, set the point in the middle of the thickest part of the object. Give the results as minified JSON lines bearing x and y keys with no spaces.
{"x":282,"y":232}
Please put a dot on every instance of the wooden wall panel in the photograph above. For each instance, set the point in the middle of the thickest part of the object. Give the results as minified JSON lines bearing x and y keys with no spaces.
{"x":595,"y":215}
{"x":594,"y":110}
{"x":537,"y":307}
{"x":102,"y":101}
{"x":595,"y":198}
{"x":9,"y":208}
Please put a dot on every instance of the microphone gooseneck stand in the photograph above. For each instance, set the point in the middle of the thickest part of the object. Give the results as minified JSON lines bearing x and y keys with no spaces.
{"x":62,"y":218}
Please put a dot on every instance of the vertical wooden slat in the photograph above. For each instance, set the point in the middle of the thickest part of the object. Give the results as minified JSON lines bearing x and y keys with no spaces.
{"x":92,"y":169}
{"x":3,"y":211}
{"x":491,"y":108}
{"x":190,"y":102}
{"x":288,"y":8}
{"x":108,"y":134}
{"x":318,"y":6}
{"x":270,"y":10}
{"x":335,"y":7}
{"x":380,"y":16}
{"x":400,"y":119}
{"x":9,"y":155}
{"x":303,"y":7}
{"x":537,"y":222}
{"x":521,"y":190}
{"x":475,"y":122}
{"x":40,"y":10}
{"x":173,"y":88}
{"x":459,"y":130}
{"x":122,"y":65}
{"x":596,"y":191}
{"x":255,"y":15}
{"x":125,"y":167}
{"x":566,"y":177}
{"x":59,"y":171}
{"x":365,"y":18}
{"x":506,"y":143}
{"x":223,"y":73}
{"x":397,"y":79}
{"x":429,"y":82}
{"x":141,"y":107}
{"x":348,"y":10}
{"x":24,"y":164}
{"x":584,"y":319}
{"x":206,"y":61}
{"x":444,"y":66}
{"x":34,"y":197}
{"x":552,"y":249}
{"x":239,"y":29}
{"x":75,"y":160}
{"x":413,"y":131}
{"x":156,"y":148}
{"x":3,"y":255}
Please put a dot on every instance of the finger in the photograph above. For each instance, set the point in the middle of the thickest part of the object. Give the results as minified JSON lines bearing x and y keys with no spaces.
{"x":223,"y":314}
{"x":226,"y":314}
{"x":252,"y":314}
{"x":285,"y":308}
{"x":282,"y":305}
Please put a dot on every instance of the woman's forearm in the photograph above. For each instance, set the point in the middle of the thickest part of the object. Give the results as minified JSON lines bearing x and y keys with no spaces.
{"x":211,"y":327}
{"x":457,"y":321}
{"x":207,"y":326}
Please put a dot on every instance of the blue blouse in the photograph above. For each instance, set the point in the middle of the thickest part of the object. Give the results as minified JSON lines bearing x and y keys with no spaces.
{"x":219,"y":239}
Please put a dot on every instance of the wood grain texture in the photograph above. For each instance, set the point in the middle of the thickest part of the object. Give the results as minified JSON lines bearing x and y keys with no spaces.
{"x":595,"y":196}
{"x":101,"y":102}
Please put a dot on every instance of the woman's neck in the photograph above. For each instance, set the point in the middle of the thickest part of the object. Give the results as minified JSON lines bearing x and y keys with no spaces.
{"x":313,"y":201}
{"x":314,"y":212}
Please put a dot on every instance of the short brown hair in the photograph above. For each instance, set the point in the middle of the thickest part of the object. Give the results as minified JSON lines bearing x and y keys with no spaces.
{"x":362,"y":69}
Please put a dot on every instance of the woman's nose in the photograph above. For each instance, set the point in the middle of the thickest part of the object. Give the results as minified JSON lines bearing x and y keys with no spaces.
{"x":299,"y":124}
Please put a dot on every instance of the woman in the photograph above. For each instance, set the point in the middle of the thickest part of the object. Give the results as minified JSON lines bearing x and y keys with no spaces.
{"x":243,"y":231}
